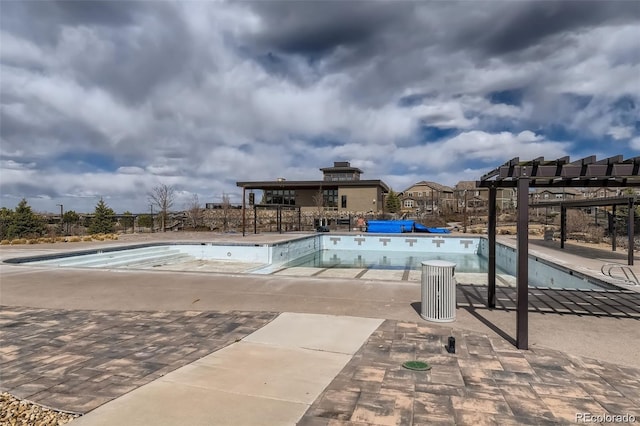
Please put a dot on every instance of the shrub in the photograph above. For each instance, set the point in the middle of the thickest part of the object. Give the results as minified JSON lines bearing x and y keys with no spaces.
{"x":74,"y":239}
{"x":87,"y":238}
{"x":19,"y":241}
{"x":5,"y":242}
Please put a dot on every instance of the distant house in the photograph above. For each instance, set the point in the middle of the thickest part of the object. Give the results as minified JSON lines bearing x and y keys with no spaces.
{"x":427,"y":197}
{"x":467,"y":194}
{"x":341,"y":190}
{"x":540,"y":195}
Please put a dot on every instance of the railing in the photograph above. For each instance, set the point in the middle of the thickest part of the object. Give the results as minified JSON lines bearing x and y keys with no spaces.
{"x":618,"y":271}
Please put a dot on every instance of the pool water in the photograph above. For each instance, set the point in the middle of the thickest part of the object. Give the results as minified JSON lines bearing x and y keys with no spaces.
{"x":467,"y":262}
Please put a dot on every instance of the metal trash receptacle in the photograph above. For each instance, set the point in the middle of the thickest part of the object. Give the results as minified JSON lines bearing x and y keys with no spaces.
{"x":438,"y":291}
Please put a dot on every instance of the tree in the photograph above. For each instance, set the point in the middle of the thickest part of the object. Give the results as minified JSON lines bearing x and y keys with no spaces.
{"x":25,"y":223}
{"x":145,"y":221}
{"x":226,"y":208}
{"x":163,"y":197}
{"x":392,"y":202}
{"x":127,"y":220}
{"x":103,"y":219}
{"x":70,"y":218}
{"x":194,"y":211}
{"x":6,"y":219}
{"x":319,"y":201}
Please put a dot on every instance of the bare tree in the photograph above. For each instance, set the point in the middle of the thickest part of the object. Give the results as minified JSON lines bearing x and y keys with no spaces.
{"x":194,"y":211}
{"x":319,"y":202}
{"x":163,"y":197}
{"x":226,"y":208}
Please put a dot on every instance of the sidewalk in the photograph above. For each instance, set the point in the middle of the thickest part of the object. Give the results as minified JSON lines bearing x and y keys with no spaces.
{"x":271,"y":377}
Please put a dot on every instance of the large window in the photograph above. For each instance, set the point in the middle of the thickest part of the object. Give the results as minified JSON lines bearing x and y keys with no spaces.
{"x":330,"y":197}
{"x":408,"y":203}
{"x":280,"y":196}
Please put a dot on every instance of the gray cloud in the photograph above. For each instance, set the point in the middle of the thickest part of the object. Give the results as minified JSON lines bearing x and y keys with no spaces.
{"x":100,"y":96}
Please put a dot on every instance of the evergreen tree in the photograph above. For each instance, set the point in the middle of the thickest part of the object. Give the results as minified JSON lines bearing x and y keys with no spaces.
{"x":6,"y":219}
{"x":70,"y":218}
{"x":392,"y":203}
{"x":127,"y":220}
{"x":25,"y":223}
{"x":145,"y":221}
{"x":103,"y":219}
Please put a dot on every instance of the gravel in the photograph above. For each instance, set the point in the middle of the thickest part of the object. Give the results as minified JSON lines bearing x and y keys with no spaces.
{"x":14,"y":412}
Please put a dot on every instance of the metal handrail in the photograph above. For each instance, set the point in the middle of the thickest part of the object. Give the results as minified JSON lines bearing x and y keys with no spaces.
{"x":629,"y":275}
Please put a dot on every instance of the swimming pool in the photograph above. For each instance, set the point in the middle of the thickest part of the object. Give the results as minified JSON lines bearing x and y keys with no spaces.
{"x":370,"y":256}
{"x":400,"y":260}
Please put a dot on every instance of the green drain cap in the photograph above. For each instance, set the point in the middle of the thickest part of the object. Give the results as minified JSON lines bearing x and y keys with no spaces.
{"x":417,"y":365}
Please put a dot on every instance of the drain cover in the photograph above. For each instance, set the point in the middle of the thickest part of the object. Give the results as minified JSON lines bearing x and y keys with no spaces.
{"x":417,"y":365}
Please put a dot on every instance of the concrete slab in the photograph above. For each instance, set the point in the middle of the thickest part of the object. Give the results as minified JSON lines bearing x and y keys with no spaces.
{"x":299,"y":271}
{"x":383,"y":274}
{"x":287,"y":374}
{"x":340,"y":273}
{"x":163,"y":403}
{"x":272,"y":377}
{"x":339,"y":334}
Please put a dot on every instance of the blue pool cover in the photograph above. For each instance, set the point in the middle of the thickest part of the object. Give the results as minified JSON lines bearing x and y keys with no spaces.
{"x":400,"y":226}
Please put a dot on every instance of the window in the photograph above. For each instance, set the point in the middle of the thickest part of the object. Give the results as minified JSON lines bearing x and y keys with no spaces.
{"x":559,"y":196}
{"x":330,"y":197}
{"x":343,"y":201}
{"x":280,"y":196}
{"x":408,"y":203}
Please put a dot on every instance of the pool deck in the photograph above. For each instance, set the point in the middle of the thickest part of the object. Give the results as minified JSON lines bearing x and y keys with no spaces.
{"x":120,"y":342}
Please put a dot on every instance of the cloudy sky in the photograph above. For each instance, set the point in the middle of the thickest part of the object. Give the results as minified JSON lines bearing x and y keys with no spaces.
{"x":110,"y":99}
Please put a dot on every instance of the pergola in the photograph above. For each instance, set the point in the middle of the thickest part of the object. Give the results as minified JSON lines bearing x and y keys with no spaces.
{"x":630,"y":202}
{"x":541,"y":173}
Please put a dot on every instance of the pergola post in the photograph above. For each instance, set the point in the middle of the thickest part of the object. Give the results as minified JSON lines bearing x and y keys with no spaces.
{"x":614,"y":231}
{"x":491,"y":293}
{"x":244,"y":218}
{"x":522,"y":293}
{"x":563,"y":225}
{"x":631,"y":231}
{"x":255,"y":219}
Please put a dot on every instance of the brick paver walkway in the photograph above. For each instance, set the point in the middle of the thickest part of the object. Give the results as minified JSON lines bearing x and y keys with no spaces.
{"x":487,"y":381}
{"x":78,"y":360}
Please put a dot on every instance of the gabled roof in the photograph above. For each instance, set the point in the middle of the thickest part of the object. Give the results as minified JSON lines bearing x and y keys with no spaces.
{"x":436,"y":186}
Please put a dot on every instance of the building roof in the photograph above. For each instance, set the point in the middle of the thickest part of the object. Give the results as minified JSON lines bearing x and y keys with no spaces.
{"x":438,"y":187}
{"x":569,"y":191}
{"x":467,"y":185}
{"x":340,"y":166}
{"x":311,"y":184}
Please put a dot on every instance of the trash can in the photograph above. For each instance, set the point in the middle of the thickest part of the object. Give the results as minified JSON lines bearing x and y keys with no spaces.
{"x":438,"y":291}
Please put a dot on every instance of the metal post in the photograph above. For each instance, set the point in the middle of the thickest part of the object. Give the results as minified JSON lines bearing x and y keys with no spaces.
{"x":631,"y":231}
{"x":61,"y":218}
{"x":465,"y":211}
{"x":244,"y":218}
{"x":522,"y":323}
{"x":563,"y":225}
{"x":491,"y":294}
{"x":614,"y":231}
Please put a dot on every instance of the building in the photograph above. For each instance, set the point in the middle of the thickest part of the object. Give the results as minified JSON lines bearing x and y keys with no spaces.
{"x":341,"y":190}
{"x":427,"y":197}
{"x":466,"y":193}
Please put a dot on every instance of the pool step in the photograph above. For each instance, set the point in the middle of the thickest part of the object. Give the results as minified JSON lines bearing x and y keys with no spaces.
{"x":168,"y":259}
{"x":116,"y":258}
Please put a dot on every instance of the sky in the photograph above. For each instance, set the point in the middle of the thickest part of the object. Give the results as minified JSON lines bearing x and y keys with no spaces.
{"x":112,"y":99}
